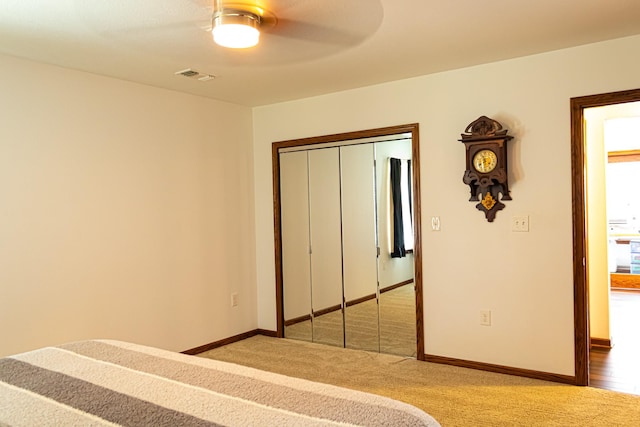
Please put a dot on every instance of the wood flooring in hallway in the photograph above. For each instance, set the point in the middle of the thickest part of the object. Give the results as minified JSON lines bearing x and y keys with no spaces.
{"x":618,"y":368}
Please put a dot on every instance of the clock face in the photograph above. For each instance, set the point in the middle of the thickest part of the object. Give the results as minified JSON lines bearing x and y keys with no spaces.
{"x":485,"y":161}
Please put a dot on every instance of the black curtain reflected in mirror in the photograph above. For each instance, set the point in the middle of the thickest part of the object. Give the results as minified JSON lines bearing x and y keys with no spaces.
{"x":399,"y":249}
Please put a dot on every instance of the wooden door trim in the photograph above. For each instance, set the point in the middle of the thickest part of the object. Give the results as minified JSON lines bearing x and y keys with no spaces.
{"x":578,"y":170}
{"x":412,"y":129}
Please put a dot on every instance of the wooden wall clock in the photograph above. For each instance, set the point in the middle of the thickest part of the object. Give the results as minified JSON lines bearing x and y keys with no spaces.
{"x":486,"y":156}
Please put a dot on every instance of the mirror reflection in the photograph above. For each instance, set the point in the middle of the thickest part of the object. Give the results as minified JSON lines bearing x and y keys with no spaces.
{"x":396,"y":263}
{"x":346,"y":212}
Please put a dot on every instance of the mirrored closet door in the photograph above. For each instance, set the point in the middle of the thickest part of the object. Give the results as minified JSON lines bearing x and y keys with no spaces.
{"x":343,"y":278}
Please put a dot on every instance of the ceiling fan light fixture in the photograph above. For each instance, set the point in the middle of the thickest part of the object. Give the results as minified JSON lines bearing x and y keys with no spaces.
{"x":236,"y":29}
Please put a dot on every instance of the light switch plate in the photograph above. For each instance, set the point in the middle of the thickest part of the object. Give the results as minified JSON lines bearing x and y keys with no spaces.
{"x":520,"y":223}
{"x":435,"y":223}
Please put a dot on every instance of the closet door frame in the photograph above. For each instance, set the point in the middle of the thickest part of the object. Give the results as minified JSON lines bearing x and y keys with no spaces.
{"x":411,"y":129}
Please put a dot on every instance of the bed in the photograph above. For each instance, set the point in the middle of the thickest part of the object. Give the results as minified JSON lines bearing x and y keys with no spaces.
{"x":106,"y":382}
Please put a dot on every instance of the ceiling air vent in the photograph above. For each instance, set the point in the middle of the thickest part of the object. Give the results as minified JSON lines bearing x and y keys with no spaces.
{"x":193,"y":74}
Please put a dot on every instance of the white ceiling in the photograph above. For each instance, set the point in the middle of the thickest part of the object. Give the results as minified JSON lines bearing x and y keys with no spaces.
{"x":317,"y":46}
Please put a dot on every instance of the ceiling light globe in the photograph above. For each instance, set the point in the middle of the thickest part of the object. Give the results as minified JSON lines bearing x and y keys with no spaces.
{"x":236,"y":30}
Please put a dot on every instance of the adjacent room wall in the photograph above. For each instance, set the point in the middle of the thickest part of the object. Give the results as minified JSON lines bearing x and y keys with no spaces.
{"x":126,"y":212}
{"x":525,"y":279}
{"x":599,"y":246}
{"x":597,"y":229}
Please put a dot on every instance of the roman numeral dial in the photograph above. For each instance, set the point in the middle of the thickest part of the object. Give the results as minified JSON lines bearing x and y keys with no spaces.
{"x":485,"y":161}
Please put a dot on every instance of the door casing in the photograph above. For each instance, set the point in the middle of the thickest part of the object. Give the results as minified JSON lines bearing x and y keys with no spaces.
{"x":578,"y":171}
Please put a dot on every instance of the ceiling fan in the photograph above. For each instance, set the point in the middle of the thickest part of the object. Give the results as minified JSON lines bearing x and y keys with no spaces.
{"x":180,"y":31}
{"x":239,"y":23}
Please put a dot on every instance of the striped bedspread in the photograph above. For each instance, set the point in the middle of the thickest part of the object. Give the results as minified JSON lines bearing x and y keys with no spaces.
{"x":104,"y":382}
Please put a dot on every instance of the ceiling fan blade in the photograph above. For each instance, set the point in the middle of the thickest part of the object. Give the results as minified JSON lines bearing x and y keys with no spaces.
{"x":307,"y":31}
{"x":133,"y":21}
{"x":153,"y":30}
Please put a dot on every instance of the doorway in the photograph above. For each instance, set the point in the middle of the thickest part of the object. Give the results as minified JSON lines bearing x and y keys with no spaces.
{"x":580,"y":232}
{"x":613,"y":212}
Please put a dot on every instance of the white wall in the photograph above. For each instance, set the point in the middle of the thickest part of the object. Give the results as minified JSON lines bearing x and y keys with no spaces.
{"x":597,"y":233}
{"x":126,"y":212}
{"x":324,"y":228}
{"x":358,"y":215}
{"x":294,"y":211}
{"x":524,"y":278}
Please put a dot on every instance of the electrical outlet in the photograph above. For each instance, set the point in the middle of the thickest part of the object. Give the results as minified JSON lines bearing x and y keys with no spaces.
{"x":485,"y":317}
{"x":520,"y":223}
{"x":234,"y":299}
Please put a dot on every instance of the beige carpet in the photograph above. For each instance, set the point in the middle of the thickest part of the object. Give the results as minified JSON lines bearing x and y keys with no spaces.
{"x":398,"y":321}
{"x":391,"y":329}
{"x":454,"y":396}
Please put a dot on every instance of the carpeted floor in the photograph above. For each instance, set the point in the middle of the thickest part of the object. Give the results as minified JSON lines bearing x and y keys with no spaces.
{"x":454,"y":396}
{"x":387,"y":328}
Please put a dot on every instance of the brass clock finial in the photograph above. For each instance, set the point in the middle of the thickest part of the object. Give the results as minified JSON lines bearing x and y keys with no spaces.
{"x":486,"y":175}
